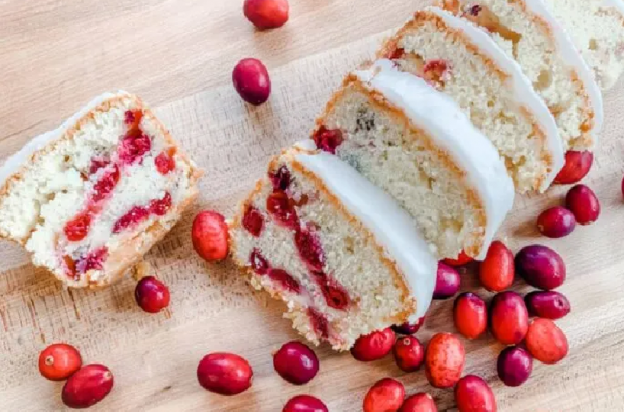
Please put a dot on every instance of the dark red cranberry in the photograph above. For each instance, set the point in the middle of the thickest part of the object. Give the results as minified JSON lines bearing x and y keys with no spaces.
{"x":305,"y":403}
{"x":541,"y":267}
{"x":251,"y":81}
{"x":164,"y":163}
{"x":258,"y":263}
{"x":549,"y":305}
{"x":514,"y":365}
{"x":94,"y":260}
{"x":296,"y":363}
{"x":78,"y":228}
{"x":103,"y":188}
{"x":397,"y":53}
{"x":584,"y":204}
{"x":132,"y":148}
{"x":136,"y":215}
{"x":224,"y":373}
{"x":328,"y":140}
{"x":281,"y":179}
{"x":253,"y":222}
{"x":88,"y":386}
{"x":285,"y":280}
{"x":97,"y":164}
{"x":130,"y":117}
{"x":409,"y":328}
{"x":409,"y":353}
{"x":447,"y":282}
{"x":310,"y":249}
{"x":319,"y":323}
{"x":160,"y":207}
{"x":280,"y":207}
{"x":151,"y":294}
{"x":373,"y":346}
{"x":577,"y":165}
{"x":335,"y":295}
{"x":556,"y":222}
{"x":475,"y":10}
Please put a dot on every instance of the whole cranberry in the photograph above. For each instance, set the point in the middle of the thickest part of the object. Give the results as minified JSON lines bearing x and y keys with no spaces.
{"x":461,"y":260}
{"x":577,"y":165}
{"x":409,"y":328}
{"x":470,"y":315}
{"x":420,"y":402}
{"x":59,"y":361}
{"x":224,"y":373}
{"x":305,"y":403}
{"x":556,"y":222}
{"x":385,"y":395}
{"x":584,"y":204}
{"x":541,"y":267}
{"x":496,"y":272}
{"x":509,"y":318}
{"x":210,"y":236}
{"x":87,"y":386}
{"x":546,"y":342}
{"x":373,"y":346}
{"x":444,"y":360}
{"x":266,"y":14}
{"x":514,"y":365}
{"x":447,"y":282}
{"x":409,"y":353}
{"x":473,"y":394}
{"x":251,"y":81}
{"x":296,"y":363}
{"x":549,"y":305}
{"x":151,"y":294}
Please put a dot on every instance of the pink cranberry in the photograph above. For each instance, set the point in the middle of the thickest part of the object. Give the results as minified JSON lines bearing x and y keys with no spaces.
{"x":78,"y":228}
{"x":509,"y":318}
{"x":164,"y":163}
{"x":328,"y":140}
{"x":132,"y":148}
{"x":97,"y":164}
{"x":373,"y":346}
{"x":305,"y":403}
{"x":577,"y":165}
{"x":132,"y":218}
{"x":549,"y":305}
{"x":319,"y":323}
{"x":94,"y":260}
{"x":409,"y":328}
{"x":514,"y":365}
{"x":409,"y":353}
{"x":584,"y":204}
{"x":266,"y":14}
{"x":447,"y":282}
{"x":253,"y":222}
{"x":386,"y":395}
{"x":251,"y":81}
{"x":258,"y":263}
{"x":281,"y":179}
{"x":296,"y":363}
{"x":104,"y":187}
{"x":280,"y":207}
{"x":541,"y":267}
{"x":285,"y":280}
{"x":556,"y":222}
{"x":151,"y":294}
{"x":224,"y":373}
{"x":310,"y":249}
{"x":160,"y":207}
{"x":90,"y":385}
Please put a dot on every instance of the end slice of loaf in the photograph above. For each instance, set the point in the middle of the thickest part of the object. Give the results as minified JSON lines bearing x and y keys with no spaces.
{"x":464,"y":63}
{"x":88,"y":199}
{"x":415,"y":143}
{"x":597,"y":29}
{"x":340,"y":252}
{"x":531,"y":35}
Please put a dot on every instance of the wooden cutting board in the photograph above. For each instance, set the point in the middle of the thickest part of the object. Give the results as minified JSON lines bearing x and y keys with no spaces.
{"x":56,"y":55}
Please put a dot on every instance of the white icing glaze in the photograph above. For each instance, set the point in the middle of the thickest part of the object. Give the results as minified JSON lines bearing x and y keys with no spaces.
{"x":15,"y":161}
{"x":392,"y":226}
{"x":572,"y":56}
{"x":618,"y":4}
{"x":521,"y":85}
{"x":445,"y":123}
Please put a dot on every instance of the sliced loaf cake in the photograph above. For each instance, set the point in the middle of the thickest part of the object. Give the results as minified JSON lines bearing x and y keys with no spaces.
{"x":415,"y":143}
{"x":88,"y":199}
{"x":597,"y":29}
{"x":532,"y":36}
{"x":340,"y":252}
{"x":463,"y":62}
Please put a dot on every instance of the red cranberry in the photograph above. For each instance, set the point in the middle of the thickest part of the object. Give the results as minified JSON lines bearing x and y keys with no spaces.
{"x":335,"y":295}
{"x":420,"y":402}
{"x":473,"y":394}
{"x":409,"y":353}
{"x":258,"y":263}
{"x":210,"y":236}
{"x":584,"y":204}
{"x":104,"y":187}
{"x":281,"y":179}
{"x":435,"y":70}
{"x":160,"y":207}
{"x":251,"y":81}
{"x":509,"y":318}
{"x":496,"y":272}
{"x":556,"y":222}
{"x":386,"y":395}
{"x":132,"y":218}
{"x":409,"y":328}
{"x":266,"y":14}
{"x":319,"y":323}
{"x":78,"y":228}
{"x":59,"y":361}
{"x":253,"y":222}
{"x":541,"y":267}
{"x":285,"y":280}
{"x":97,"y":164}
{"x":305,"y":403}
{"x":279,"y":206}
{"x":151,"y":294}
{"x":577,"y":165}
{"x":373,"y":346}
{"x":470,"y":315}
{"x":164,"y":163}
{"x":328,"y":140}
{"x":129,"y":117}
{"x":94,"y":260}
{"x":397,"y":53}
{"x":310,"y":249}
{"x":87,"y":387}
{"x":296,"y":363}
{"x":546,"y":342}
{"x":461,"y":260}
{"x":549,"y":305}
{"x":447,"y":282}
{"x":132,"y":148}
{"x":224,"y":373}
{"x":514,"y":365}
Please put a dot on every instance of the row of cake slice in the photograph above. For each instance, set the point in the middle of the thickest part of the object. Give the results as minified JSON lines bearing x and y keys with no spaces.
{"x":436,"y":134}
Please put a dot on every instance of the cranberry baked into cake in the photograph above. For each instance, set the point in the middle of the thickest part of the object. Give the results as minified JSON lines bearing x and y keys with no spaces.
{"x":338,"y":250}
{"x":88,"y":199}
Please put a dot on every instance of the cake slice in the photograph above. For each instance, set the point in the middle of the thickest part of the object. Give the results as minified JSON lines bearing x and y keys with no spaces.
{"x":338,"y":250}
{"x":88,"y":199}
{"x":415,"y":143}
{"x":463,"y":62}
{"x":531,"y":35}
{"x":597,"y":29}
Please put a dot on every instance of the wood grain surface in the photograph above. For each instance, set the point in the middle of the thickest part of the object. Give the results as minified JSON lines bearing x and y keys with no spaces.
{"x":178,"y":55}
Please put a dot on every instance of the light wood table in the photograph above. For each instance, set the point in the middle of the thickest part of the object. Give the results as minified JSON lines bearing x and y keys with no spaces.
{"x":178,"y":55}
